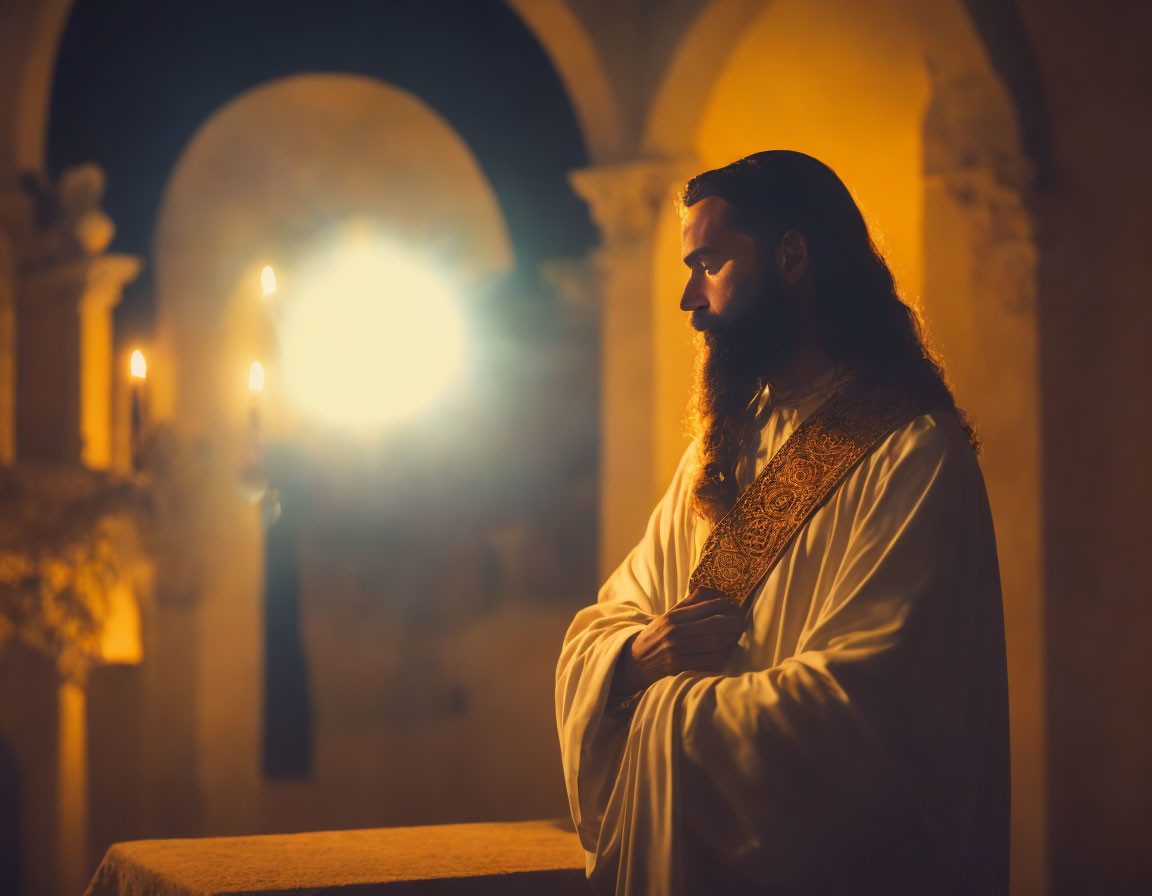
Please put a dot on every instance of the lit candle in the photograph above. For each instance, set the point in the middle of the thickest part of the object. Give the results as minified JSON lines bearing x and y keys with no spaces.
{"x":138,"y":368}
{"x":267,"y":283}
{"x":255,"y":387}
{"x":253,"y":481}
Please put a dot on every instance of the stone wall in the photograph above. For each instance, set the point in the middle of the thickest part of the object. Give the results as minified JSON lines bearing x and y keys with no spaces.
{"x":1095,"y":277}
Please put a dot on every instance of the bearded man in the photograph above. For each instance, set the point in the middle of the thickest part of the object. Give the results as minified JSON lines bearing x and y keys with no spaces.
{"x":796,"y":682}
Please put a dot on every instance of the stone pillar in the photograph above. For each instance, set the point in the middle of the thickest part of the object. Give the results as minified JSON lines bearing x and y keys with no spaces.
{"x":7,"y":352}
{"x":980,"y":302}
{"x":625,"y":201}
{"x":48,"y":364}
{"x":64,"y":359}
{"x":107,"y":277}
{"x":57,"y":290}
{"x":72,"y":787}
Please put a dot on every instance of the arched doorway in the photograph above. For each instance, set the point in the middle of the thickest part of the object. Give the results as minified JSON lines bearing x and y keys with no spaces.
{"x":478,"y":67}
{"x":347,"y":150}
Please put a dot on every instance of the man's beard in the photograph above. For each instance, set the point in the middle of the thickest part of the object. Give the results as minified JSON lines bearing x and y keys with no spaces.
{"x":734,"y":359}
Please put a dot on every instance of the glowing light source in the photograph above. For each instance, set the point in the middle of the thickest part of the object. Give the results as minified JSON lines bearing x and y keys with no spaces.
{"x":256,"y":377}
{"x":137,"y":365}
{"x":371,"y":334}
{"x":268,"y":280}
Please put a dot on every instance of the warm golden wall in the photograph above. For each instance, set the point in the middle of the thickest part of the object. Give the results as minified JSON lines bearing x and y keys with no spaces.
{"x":1095,"y":279}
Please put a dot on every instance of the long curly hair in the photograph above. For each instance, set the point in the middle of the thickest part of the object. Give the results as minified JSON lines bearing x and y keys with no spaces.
{"x":856,"y":308}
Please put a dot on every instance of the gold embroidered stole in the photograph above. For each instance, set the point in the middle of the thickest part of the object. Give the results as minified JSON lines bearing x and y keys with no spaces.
{"x":750,"y":539}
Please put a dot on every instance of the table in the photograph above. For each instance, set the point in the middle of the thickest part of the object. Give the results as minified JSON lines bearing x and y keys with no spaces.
{"x":496,"y":857}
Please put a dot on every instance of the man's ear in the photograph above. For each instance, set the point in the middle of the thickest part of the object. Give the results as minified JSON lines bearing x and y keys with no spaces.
{"x":792,"y":257}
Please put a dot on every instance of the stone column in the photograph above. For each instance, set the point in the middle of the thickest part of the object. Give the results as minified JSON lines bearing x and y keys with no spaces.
{"x":72,"y":822}
{"x":64,"y":359}
{"x":625,"y":201}
{"x":7,"y":352}
{"x":57,"y":290}
{"x":980,"y":301}
{"x":48,"y":364}
{"x":107,"y":277}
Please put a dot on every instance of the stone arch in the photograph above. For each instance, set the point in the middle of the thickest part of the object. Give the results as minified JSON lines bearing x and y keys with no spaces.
{"x":682,"y":97}
{"x":578,"y":62}
{"x":973,"y":265}
{"x":469,"y":81}
{"x":30,"y":132}
{"x":257,"y":176}
{"x":480,"y":67}
{"x":552,"y":23}
{"x":261,"y":181}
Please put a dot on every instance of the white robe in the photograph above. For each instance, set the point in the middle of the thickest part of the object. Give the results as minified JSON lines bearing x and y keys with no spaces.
{"x":856,"y":741}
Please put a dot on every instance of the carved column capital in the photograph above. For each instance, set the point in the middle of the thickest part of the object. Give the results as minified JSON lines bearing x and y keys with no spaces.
{"x":625,"y":199}
{"x":64,"y":285}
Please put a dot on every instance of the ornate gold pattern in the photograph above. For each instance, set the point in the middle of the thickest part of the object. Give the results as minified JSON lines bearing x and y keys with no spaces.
{"x":751,"y":537}
{"x":749,"y":540}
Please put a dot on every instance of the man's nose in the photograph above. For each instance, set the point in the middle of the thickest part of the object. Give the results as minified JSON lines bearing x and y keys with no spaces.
{"x":693,"y":298}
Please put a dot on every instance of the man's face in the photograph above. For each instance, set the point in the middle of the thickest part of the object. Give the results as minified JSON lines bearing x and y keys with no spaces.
{"x":746,"y":313}
{"x":725,"y":281}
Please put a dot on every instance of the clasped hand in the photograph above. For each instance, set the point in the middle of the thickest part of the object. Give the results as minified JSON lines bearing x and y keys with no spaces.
{"x":697,"y":634}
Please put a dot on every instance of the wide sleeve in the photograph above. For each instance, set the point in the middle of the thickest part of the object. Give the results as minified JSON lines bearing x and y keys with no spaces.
{"x":880,"y":745}
{"x":649,"y":580}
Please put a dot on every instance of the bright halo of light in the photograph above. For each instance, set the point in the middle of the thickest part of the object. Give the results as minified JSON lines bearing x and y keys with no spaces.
{"x":370,"y":335}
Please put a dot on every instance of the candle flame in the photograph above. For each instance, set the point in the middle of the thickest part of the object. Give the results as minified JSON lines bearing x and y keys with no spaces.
{"x":268,"y":280}
{"x":138,"y":366}
{"x":256,"y":377}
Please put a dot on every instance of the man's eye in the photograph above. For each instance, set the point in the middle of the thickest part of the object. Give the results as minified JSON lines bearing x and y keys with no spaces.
{"x":711,"y":268}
